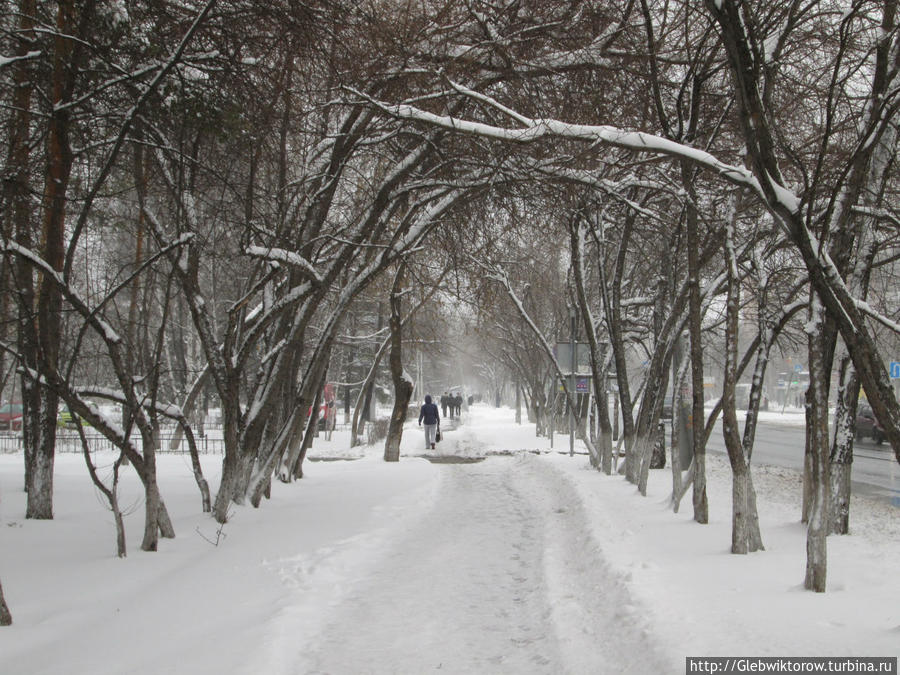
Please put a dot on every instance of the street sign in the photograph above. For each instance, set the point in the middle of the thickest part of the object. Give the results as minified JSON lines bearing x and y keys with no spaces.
{"x":582,"y":384}
{"x":798,"y":368}
{"x":563,"y":353}
{"x":895,"y":370}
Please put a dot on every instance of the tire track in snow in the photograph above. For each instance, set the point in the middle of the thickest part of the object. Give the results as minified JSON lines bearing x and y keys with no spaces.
{"x":500,"y":576}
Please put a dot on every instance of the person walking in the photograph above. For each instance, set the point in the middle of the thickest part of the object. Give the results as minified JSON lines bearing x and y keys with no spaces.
{"x":445,"y":400}
{"x":429,"y":413}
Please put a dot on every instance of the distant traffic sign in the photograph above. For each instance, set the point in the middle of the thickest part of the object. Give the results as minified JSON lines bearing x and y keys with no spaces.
{"x":582,"y":384}
{"x":895,"y":370}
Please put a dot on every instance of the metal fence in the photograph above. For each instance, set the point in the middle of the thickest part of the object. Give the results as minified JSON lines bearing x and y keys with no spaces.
{"x":208,"y":444}
{"x":69,"y":442}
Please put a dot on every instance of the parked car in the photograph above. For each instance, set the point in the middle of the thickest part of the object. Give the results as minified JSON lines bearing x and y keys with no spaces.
{"x":66,"y":418}
{"x":867,"y":424}
{"x":11,"y":416}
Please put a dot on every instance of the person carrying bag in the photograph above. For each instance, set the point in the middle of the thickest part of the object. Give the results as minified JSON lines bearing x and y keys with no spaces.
{"x":429,"y":413}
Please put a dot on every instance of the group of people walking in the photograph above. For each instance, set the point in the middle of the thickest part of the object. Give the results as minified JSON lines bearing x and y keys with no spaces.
{"x":453,"y":402}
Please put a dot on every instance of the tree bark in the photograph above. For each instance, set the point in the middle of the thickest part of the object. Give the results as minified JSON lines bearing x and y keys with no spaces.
{"x":599,"y":360}
{"x":745,"y":536}
{"x":49,"y":301}
{"x":817,"y":402}
{"x":17,"y":224}
{"x":5,"y":615}
{"x":402,"y":387}
{"x":700,"y":500}
{"x":613,"y":316}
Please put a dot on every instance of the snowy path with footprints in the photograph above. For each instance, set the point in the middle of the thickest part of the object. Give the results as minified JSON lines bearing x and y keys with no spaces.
{"x":495,"y":567}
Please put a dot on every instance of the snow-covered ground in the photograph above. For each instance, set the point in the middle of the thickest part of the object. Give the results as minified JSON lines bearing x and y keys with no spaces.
{"x":529,"y":563}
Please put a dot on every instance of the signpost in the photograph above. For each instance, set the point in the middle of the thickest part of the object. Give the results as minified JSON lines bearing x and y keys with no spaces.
{"x":574,"y":359}
{"x":895,"y":370}
{"x":894,"y":373}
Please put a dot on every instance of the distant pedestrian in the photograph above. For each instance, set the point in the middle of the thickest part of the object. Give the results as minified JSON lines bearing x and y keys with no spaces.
{"x":429,"y":413}
{"x":445,"y":401}
{"x":457,"y":402}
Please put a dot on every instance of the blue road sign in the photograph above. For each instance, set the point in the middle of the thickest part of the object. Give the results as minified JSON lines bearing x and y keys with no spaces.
{"x":895,"y":370}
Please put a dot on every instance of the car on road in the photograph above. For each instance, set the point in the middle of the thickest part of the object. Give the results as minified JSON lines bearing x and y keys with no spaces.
{"x":867,"y":424}
{"x":11,"y":416}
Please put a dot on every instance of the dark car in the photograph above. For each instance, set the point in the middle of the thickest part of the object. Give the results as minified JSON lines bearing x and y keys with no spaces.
{"x":11,"y":416}
{"x":867,"y":424}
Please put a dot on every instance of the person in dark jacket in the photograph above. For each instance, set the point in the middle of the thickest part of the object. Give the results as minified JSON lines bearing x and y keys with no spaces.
{"x":432,"y":418}
{"x":445,"y":400}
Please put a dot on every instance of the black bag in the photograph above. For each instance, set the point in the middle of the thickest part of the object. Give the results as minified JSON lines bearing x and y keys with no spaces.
{"x":437,"y":436}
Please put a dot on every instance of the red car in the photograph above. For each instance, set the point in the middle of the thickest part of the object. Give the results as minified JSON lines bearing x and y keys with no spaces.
{"x":11,"y":416}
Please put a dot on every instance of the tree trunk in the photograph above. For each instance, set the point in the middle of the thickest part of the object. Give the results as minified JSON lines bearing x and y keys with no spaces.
{"x":49,"y":300}
{"x":700,"y":500}
{"x":111,"y":493}
{"x":150,"y":541}
{"x":745,"y":535}
{"x":5,"y":616}
{"x":848,"y":393}
{"x":230,"y":464}
{"x":842,"y":448}
{"x":39,"y":504}
{"x":678,"y":378}
{"x":16,"y":220}
{"x":402,"y":386}
{"x":518,"y":403}
{"x":196,"y":467}
{"x":817,"y":401}
{"x":305,"y":444}
{"x":613,"y":316}
{"x":606,"y":435}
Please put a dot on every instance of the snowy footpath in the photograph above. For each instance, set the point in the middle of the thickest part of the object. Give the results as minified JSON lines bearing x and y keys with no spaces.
{"x":526,"y":562}
{"x":497,"y":576}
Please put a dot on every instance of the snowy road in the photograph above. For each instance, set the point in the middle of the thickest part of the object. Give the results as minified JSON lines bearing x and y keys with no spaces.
{"x":482,"y":583}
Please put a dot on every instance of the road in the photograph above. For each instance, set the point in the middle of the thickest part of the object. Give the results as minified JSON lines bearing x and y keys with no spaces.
{"x":875,"y":469}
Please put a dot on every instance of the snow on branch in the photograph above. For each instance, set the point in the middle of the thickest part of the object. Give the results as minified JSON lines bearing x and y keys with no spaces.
{"x":870,"y":311}
{"x":9,"y":60}
{"x":107,"y":331}
{"x":531,"y":130}
{"x":287,"y":257}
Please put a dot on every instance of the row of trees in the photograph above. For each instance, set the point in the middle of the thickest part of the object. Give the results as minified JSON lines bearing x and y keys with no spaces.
{"x":199,"y":197}
{"x":792,"y":105}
